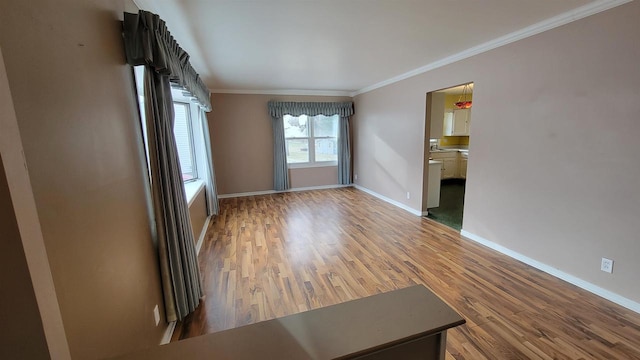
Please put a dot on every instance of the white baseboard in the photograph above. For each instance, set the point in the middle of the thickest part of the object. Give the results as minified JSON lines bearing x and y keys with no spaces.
{"x":168,"y":333}
{"x":203,"y":232}
{"x":267,"y":192}
{"x":251,"y":193}
{"x":604,"y":293}
{"x":390,"y":201}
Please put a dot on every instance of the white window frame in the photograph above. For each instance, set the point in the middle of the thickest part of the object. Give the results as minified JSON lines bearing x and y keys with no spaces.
{"x":195,"y":130}
{"x":311,"y":141}
{"x":190,"y":108}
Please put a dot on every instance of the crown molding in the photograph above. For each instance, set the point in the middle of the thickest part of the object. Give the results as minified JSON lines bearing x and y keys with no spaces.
{"x":284,"y":92}
{"x":144,"y":5}
{"x":548,"y":24}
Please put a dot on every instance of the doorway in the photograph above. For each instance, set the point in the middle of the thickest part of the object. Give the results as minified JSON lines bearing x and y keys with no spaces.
{"x":447,"y":153}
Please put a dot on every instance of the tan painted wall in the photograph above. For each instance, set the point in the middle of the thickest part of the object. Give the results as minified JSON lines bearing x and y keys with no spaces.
{"x":198,"y":215}
{"x":74,"y":102}
{"x":242,"y":144}
{"x":564,"y":191}
{"x":23,"y":336}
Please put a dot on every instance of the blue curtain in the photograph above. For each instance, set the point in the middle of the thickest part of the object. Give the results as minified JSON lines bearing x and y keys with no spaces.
{"x":278,"y":109}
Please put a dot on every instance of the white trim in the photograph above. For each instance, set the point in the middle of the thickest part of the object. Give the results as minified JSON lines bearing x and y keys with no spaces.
{"x":203,"y":232}
{"x":267,"y":192}
{"x":307,"y":165}
{"x":390,"y":201}
{"x":168,"y":333}
{"x":594,"y":289}
{"x":425,"y":213}
{"x":250,"y":193}
{"x":285,"y":92}
{"x":548,"y":24}
{"x":192,"y":189}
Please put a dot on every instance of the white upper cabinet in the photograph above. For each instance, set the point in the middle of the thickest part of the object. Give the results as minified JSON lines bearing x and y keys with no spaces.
{"x":435,"y":107}
{"x":457,"y":122}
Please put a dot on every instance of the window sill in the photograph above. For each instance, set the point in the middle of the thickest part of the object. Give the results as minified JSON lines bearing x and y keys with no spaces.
{"x":192,"y":189}
{"x":316,"y":165}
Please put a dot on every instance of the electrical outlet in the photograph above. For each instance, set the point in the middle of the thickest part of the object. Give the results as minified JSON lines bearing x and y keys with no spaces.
{"x":408,"y":195}
{"x":156,"y":314}
{"x":606,"y":265}
{"x":355,"y":177}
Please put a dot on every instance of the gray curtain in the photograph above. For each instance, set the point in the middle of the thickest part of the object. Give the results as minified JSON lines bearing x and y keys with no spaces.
{"x":278,"y":109}
{"x":344,"y":151}
{"x":147,"y":42}
{"x":176,"y":246}
{"x":210,"y":177}
{"x":280,"y":168}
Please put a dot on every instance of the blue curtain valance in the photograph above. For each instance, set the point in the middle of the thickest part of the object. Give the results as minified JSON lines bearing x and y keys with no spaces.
{"x":278,"y":109}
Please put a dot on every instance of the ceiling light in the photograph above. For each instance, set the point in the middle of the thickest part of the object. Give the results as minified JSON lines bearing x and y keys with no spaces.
{"x":463,"y":103}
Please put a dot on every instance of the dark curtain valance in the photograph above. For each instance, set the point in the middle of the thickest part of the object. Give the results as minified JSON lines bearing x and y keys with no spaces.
{"x":148,"y":42}
{"x":277,"y":109}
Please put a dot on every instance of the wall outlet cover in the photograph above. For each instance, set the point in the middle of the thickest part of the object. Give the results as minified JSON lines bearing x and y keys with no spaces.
{"x":606,"y":265}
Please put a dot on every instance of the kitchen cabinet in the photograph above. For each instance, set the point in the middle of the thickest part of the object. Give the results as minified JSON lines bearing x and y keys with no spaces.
{"x":435,"y":105}
{"x":449,"y":167}
{"x":454,"y":163}
{"x":463,"y":168}
{"x":433,"y":189}
{"x":462,"y":164}
{"x":449,"y":161}
{"x":457,"y":122}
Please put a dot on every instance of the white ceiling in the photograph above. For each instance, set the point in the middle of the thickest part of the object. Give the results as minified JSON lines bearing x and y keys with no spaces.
{"x":346,"y":45}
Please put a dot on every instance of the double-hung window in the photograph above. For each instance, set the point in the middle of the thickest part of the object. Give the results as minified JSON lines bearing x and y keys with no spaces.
{"x":186,"y":118}
{"x":183,"y":132}
{"x":311,"y":140}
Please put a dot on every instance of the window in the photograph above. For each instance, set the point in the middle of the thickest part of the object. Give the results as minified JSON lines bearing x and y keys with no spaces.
{"x":311,"y":140}
{"x":186,"y":115}
{"x":182,"y":130}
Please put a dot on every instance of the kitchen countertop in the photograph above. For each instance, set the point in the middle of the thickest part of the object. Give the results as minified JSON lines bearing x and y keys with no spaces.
{"x":449,"y":150}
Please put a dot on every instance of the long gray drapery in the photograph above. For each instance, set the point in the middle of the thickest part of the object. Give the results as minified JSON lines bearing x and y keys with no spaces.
{"x":280,"y":168}
{"x":278,"y":109}
{"x":344,"y":151}
{"x":147,"y":42}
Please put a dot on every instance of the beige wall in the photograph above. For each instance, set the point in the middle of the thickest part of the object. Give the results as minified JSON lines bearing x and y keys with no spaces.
{"x":198,"y":214}
{"x":564,"y":191}
{"x":22,"y":337}
{"x":74,"y":102}
{"x":242,"y":144}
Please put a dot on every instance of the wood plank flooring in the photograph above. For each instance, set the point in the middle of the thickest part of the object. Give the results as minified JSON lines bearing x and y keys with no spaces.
{"x":274,"y":255}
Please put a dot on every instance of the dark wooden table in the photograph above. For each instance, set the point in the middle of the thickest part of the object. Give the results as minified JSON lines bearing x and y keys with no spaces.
{"x":410,"y":323}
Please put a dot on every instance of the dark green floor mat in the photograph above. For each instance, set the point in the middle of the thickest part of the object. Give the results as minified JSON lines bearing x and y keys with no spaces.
{"x":451,"y":204}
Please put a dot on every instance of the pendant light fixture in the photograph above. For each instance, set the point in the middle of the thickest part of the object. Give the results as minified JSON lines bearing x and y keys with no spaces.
{"x":463,"y":103}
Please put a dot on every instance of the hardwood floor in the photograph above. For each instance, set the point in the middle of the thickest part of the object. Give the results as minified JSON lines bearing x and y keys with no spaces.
{"x":274,"y":255}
